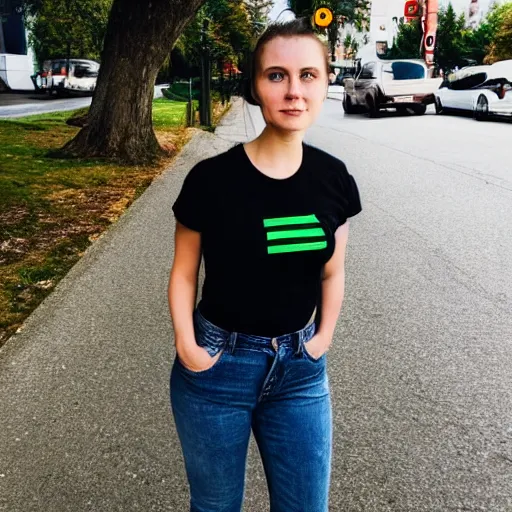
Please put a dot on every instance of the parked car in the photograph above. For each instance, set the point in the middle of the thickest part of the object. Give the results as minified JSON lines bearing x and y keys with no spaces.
{"x":341,"y":77}
{"x":483,"y":91}
{"x":58,"y":78}
{"x":399,"y":84}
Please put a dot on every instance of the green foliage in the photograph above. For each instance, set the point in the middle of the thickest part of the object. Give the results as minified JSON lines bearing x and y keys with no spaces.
{"x":55,"y":24}
{"x":475,"y":43}
{"x":500,"y":21}
{"x":230,"y":31}
{"x":457,"y":45}
{"x":490,"y":42}
{"x":407,"y":44}
{"x":351,"y":46}
{"x":355,"y":12}
{"x":450,"y":42}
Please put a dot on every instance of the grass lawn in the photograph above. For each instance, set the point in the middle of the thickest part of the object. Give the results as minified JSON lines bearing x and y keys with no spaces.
{"x":52,"y":209}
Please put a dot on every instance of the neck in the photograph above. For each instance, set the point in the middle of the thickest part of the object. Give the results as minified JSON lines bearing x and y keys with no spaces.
{"x":276,"y":154}
{"x":287,"y":141}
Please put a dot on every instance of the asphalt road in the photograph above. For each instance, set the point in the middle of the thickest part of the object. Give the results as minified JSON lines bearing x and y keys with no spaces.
{"x":420,"y":369}
{"x":20,"y":104}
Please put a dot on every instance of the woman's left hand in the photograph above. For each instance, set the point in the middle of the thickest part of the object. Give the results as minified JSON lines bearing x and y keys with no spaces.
{"x":318,"y":345}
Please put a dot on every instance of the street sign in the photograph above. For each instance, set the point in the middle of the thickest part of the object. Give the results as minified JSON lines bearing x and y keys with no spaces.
{"x":412,"y":9}
{"x":323,"y":17}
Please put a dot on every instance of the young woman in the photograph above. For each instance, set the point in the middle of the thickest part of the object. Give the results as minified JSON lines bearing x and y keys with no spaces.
{"x":270,"y":218}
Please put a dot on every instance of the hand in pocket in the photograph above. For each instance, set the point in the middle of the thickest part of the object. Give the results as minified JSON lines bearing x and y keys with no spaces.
{"x":317,"y":346}
{"x":196,"y":358}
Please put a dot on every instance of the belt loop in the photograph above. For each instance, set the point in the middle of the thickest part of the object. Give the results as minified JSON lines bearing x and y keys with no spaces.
{"x":300,"y":339}
{"x":232,"y":342}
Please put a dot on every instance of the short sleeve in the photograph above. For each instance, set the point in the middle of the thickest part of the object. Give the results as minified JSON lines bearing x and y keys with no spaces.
{"x":190,"y":208}
{"x":348,"y":199}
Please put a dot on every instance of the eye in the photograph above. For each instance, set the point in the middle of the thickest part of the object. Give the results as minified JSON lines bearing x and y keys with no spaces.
{"x":275,"y":76}
{"x":308,"y":75}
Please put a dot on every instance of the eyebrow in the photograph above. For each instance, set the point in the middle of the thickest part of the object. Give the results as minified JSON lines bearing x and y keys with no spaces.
{"x":310,"y":68}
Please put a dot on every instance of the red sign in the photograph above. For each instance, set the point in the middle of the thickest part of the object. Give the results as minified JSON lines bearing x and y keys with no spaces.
{"x":412,"y":9}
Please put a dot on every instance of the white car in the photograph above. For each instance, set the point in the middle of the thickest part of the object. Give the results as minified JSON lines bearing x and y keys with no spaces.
{"x":482,"y":90}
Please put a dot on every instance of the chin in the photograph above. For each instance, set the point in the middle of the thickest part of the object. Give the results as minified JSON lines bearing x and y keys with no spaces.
{"x":293,"y":124}
{"x":291,"y":128}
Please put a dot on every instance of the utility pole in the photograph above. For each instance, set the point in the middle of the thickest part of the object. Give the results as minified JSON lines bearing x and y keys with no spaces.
{"x":205,"y":107}
{"x":2,"y":40}
{"x":427,"y":11}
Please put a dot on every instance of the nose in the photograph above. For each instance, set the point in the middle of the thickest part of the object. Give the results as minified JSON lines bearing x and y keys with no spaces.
{"x":294,"y":88}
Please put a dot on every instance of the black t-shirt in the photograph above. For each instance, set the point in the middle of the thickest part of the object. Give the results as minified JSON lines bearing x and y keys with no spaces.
{"x":264,"y":240}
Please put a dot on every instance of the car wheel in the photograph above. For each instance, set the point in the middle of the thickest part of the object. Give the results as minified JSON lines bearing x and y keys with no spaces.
{"x":439,"y":106}
{"x":482,"y":108}
{"x":420,"y":110}
{"x":373,"y":110}
{"x":348,"y":107}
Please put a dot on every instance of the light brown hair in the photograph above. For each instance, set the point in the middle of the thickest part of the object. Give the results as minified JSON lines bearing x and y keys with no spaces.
{"x":300,"y":27}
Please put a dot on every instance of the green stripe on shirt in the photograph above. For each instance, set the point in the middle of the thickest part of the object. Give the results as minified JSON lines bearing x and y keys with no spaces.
{"x":313,"y":246}
{"x":289,"y":221}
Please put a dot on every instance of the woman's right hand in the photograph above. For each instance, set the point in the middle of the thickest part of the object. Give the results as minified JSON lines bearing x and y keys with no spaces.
{"x":195,"y":358}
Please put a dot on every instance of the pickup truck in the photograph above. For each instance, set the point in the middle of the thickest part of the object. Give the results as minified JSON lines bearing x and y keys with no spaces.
{"x":399,"y":84}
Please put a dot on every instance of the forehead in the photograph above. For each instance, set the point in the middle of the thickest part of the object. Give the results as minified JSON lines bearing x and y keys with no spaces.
{"x":291,"y":52}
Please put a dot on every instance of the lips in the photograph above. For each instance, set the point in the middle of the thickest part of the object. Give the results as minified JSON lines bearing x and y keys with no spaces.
{"x":292,"y":112}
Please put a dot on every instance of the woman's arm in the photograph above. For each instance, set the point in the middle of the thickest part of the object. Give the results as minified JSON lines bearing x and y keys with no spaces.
{"x":333,"y":289}
{"x":182,"y":294}
{"x":183,"y":282}
{"x":333,"y":284}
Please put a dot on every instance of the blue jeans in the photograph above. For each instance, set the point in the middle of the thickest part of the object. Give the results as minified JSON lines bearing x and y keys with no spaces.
{"x":272,"y":386}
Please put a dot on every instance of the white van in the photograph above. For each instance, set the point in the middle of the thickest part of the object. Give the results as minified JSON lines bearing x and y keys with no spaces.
{"x":15,"y":71}
{"x":57,"y":77}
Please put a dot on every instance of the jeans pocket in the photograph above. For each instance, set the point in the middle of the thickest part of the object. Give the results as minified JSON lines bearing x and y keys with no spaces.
{"x":308,"y":356}
{"x":209,"y":369}
{"x":208,"y":337}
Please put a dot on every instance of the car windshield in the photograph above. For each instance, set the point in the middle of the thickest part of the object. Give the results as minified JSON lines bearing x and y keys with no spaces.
{"x":468,"y":82}
{"x":85,"y":70}
{"x":467,"y":78}
{"x":406,"y":71}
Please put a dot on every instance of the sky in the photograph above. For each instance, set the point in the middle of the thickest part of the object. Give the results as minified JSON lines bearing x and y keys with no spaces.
{"x":279,"y":6}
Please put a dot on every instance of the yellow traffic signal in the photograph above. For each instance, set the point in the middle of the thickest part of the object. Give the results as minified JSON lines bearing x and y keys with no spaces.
{"x":323,"y":17}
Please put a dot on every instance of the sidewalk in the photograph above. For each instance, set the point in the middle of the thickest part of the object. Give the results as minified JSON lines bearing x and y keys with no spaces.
{"x":335,"y":92}
{"x":85,"y":421}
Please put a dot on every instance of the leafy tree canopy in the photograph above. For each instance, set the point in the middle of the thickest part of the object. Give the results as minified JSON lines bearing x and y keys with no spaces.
{"x":230,"y":31}
{"x":58,"y":25}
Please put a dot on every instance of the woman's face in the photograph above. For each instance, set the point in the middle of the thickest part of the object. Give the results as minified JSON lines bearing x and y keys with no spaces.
{"x":291,"y":82}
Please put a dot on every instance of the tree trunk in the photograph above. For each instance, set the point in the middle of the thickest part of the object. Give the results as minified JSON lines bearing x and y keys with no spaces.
{"x":138,"y":38}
